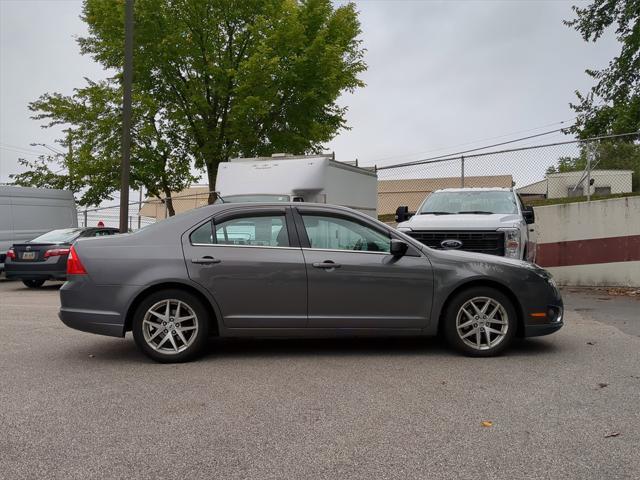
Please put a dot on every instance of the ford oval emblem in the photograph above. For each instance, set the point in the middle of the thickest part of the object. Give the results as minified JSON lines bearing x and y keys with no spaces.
{"x":451,"y":244}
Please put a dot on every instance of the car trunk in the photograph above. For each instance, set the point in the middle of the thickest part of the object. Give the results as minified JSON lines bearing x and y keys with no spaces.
{"x":33,"y":252}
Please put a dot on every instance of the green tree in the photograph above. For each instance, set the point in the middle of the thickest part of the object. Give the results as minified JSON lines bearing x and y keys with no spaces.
{"x":92,"y":126}
{"x":236,"y":77}
{"x":612,"y":106}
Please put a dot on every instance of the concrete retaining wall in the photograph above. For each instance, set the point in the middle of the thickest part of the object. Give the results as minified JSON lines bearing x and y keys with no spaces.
{"x":591,"y":243}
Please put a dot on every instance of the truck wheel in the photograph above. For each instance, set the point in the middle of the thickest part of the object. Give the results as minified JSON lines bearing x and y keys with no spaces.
{"x":171,"y":326}
{"x":480,"y":322}
{"x":33,"y":283}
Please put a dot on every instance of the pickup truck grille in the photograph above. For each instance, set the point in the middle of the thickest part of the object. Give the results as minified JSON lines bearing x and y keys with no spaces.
{"x":490,"y":242}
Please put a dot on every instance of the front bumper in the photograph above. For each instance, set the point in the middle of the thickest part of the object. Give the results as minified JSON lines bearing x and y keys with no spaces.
{"x":553,"y":322}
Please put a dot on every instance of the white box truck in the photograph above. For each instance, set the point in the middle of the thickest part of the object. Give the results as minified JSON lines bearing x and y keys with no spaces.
{"x":26,"y":213}
{"x":308,"y":178}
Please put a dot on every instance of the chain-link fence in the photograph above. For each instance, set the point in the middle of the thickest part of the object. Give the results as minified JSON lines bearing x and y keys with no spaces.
{"x":144,"y":212}
{"x":551,"y":173}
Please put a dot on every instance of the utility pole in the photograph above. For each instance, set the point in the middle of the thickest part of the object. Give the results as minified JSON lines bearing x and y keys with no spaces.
{"x":589,"y":154}
{"x":127,"y":80}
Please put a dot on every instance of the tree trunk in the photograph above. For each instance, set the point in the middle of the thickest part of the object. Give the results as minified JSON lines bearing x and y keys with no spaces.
{"x":212,"y":170}
{"x":168,"y":201}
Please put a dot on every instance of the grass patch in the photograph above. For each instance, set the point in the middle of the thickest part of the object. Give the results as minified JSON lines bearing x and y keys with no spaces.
{"x":559,"y":201}
{"x":387,"y":217}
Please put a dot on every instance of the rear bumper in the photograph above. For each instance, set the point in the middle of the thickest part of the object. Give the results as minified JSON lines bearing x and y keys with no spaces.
{"x":92,"y":321}
{"x":35,"y":271}
{"x":29,"y":275}
{"x":95,"y":308}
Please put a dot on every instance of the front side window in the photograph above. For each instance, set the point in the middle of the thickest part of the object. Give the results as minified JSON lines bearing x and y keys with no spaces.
{"x":337,"y":233}
{"x":261,"y":231}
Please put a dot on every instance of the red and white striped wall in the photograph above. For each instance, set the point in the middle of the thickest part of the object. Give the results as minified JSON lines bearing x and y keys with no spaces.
{"x":591,"y":243}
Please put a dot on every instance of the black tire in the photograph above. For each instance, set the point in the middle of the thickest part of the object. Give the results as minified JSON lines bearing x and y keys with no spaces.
{"x":33,"y":283}
{"x":454,"y":335}
{"x":195,"y":346}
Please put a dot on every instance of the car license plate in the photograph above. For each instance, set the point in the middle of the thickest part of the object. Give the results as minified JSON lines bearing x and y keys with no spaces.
{"x":29,"y":255}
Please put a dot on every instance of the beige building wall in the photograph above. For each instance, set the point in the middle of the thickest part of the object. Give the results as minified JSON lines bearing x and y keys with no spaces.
{"x":193,"y":197}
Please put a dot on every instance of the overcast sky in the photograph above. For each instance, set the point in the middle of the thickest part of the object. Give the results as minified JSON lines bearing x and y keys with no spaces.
{"x":441,"y":74}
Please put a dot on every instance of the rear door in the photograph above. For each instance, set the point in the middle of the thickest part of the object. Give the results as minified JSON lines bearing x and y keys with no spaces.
{"x":354,"y":282}
{"x":250,"y":261}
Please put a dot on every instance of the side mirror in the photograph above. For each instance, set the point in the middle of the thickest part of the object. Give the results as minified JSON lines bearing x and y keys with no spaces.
{"x":403,"y":214}
{"x":529,"y":215}
{"x":398,"y":248}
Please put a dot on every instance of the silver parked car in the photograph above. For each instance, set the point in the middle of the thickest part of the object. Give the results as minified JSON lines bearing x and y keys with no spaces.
{"x":294,"y":269}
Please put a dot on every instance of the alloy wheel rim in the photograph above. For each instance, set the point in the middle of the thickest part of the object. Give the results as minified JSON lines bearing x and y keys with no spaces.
{"x":482,"y":323}
{"x":170,"y":326}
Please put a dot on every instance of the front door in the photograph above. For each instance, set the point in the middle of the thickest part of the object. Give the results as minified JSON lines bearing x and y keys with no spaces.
{"x":353,"y":280}
{"x":249,"y":264}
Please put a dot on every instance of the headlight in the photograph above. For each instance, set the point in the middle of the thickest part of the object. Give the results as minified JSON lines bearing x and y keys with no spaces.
{"x":404,"y":229}
{"x":512,"y":242}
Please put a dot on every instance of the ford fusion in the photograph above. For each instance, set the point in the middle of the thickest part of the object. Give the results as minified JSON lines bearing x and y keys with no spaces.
{"x":292,"y":270}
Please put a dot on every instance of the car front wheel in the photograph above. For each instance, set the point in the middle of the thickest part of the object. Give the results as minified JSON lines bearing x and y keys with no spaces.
{"x":480,"y":321}
{"x":171,"y":326}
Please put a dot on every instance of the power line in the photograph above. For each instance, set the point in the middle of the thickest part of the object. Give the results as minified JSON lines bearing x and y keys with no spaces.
{"x":518,"y":132}
{"x":22,"y":151}
{"x":427,"y":160}
{"x":520,"y":149}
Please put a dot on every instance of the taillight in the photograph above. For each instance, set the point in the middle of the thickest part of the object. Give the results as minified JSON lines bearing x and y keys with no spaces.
{"x":11,"y":254}
{"x":56,"y":252}
{"x":74,"y":265}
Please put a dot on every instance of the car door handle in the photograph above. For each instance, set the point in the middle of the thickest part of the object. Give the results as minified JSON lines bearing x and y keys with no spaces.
{"x":205,"y":260}
{"x":327,"y":264}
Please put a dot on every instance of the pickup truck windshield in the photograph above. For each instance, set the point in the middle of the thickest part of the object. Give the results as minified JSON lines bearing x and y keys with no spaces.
{"x":252,"y":198}
{"x":479,"y":203}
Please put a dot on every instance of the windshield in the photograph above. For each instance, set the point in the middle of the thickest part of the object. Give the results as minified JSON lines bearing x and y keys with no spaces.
{"x":252,"y":198}
{"x":64,"y":235}
{"x":482,"y":202}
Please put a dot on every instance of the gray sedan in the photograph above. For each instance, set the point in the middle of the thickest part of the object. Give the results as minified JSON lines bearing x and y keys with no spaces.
{"x":295,"y":270}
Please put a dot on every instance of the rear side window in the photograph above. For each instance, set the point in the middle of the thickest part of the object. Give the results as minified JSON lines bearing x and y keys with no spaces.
{"x":203,"y":235}
{"x":262,"y":231}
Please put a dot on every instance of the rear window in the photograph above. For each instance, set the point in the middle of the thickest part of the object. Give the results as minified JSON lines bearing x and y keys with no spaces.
{"x":64,"y":235}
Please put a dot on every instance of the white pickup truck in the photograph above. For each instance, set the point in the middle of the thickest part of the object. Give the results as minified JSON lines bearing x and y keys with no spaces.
{"x":483,"y":220}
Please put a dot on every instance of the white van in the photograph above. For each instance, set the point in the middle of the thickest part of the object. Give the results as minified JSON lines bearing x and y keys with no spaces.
{"x":26,"y":213}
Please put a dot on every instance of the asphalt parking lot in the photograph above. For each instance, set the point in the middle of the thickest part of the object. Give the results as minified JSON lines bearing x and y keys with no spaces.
{"x":76,"y":405}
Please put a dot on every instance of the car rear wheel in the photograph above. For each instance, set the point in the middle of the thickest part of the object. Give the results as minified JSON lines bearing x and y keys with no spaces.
{"x":171,"y":326}
{"x":33,"y":283}
{"x":480,"y":322}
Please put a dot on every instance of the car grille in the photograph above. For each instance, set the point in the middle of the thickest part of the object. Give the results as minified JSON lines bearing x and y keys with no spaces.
{"x":490,"y":242}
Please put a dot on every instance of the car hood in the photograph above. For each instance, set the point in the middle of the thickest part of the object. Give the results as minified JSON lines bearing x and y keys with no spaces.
{"x":462,"y":221}
{"x":468,"y":258}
